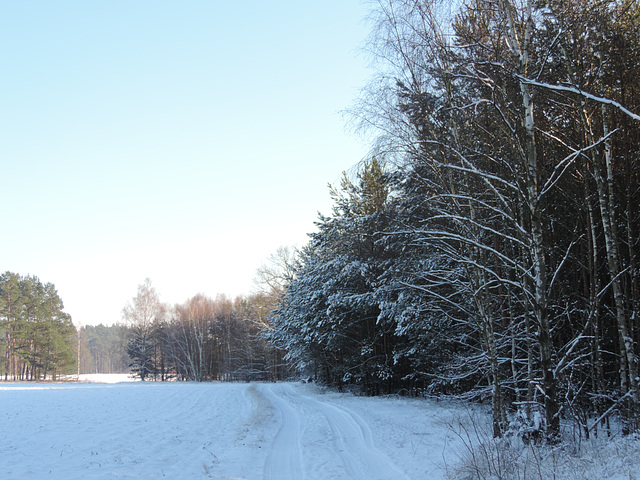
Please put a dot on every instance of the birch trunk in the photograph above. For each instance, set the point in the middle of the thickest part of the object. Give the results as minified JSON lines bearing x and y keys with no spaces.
{"x":519,"y":48}
{"x":604,"y":182}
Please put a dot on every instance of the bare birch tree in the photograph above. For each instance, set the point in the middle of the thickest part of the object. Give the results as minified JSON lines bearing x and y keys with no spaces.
{"x":140,"y":315}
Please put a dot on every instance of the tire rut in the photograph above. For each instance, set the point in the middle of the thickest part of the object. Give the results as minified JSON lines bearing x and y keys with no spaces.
{"x":351,"y":437}
{"x":284,"y":461}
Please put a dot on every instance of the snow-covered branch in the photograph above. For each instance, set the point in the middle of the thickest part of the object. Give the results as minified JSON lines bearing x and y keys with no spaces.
{"x":580,"y":92}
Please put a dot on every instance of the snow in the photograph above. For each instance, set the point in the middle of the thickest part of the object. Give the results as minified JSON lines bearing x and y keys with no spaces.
{"x":215,"y":430}
{"x":106,"y":377}
{"x":271,"y":431}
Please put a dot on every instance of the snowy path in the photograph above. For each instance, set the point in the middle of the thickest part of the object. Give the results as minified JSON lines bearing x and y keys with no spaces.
{"x":285,"y":454}
{"x":222,"y":431}
{"x":350,"y":440}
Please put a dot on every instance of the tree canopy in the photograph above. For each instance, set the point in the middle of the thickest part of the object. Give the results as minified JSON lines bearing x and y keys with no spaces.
{"x":37,"y":338}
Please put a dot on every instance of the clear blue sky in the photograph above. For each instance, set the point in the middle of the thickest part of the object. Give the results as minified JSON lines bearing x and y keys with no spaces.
{"x":183,"y":141}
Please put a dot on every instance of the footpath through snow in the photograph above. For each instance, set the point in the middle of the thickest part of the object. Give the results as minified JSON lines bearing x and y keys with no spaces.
{"x":211,"y":430}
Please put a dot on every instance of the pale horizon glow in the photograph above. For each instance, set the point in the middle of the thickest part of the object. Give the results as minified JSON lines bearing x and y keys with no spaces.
{"x":178,"y":141}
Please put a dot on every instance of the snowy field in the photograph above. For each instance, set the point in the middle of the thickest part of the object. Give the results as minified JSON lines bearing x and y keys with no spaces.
{"x":214,"y":430}
{"x":104,"y":377}
{"x":285,"y":431}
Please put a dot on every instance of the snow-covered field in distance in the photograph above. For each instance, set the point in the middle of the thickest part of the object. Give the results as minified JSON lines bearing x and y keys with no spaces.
{"x":285,"y":431}
{"x":106,"y":377}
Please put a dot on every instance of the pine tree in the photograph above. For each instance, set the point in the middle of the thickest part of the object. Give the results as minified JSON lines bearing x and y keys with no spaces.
{"x":38,"y":335}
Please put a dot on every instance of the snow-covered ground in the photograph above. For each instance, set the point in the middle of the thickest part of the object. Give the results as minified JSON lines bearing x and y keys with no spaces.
{"x":285,"y":431}
{"x":104,"y":377}
{"x":215,"y":430}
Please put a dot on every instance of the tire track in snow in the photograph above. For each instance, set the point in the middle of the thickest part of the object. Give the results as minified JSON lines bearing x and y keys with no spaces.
{"x":284,"y":461}
{"x":351,"y":436}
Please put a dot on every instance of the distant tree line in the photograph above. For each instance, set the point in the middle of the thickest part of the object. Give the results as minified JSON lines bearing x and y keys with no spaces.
{"x":202,"y":339}
{"x":37,"y":338}
{"x":495,"y":253}
{"x":103,"y":349}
